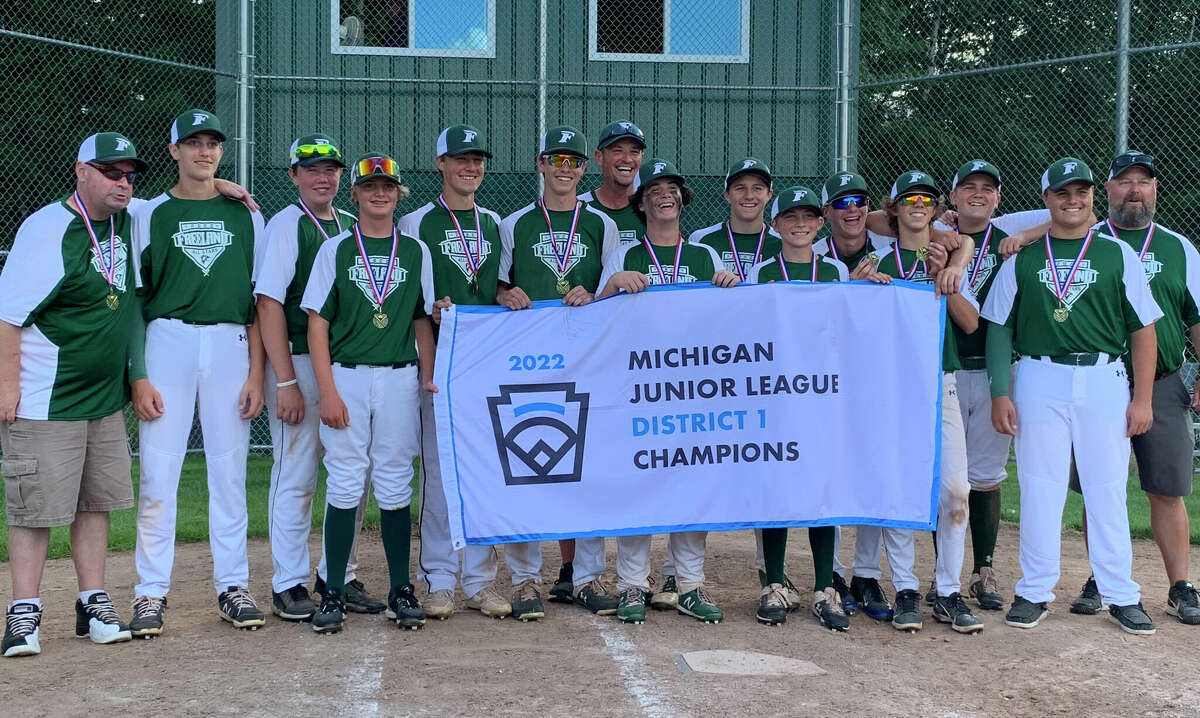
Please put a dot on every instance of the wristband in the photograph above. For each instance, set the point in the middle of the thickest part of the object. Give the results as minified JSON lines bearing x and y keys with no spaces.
{"x":282,"y":384}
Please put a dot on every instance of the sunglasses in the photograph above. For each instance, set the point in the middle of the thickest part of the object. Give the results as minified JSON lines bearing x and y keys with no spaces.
{"x":113,"y":173}
{"x":306,"y":152}
{"x":848,"y":201}
{"x":568,"y":161}
{"x":377,"y":165}
{"x":917,"y":200}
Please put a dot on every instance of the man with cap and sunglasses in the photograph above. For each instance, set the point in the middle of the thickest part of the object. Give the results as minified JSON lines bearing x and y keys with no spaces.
{"x":1070,"y":306}
{"x":463,"y":240}
{"x":195,"y":255}
{"x":619,"y":155}
{"x":556,"y":248}
{"x":294,"y":236}
{"x":65,"y":320}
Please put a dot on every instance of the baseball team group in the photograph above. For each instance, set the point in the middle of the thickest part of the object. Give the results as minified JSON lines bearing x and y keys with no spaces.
{"x":1066,"y":330}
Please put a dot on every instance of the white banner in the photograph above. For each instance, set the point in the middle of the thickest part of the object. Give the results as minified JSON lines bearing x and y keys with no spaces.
{"x":690,"y":407}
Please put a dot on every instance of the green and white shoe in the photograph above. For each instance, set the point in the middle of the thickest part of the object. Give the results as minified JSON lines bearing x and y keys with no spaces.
{"x":631,"y":607}
{"x":698,"y":604}
{"x":667,"y":597}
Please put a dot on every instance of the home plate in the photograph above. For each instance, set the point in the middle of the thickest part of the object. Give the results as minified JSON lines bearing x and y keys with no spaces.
{"x":744,"y":663}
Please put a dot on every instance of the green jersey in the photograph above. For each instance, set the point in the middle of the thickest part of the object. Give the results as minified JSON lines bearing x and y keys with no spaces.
{"x":903,"y":264}
{"x":876,"y":244}
{"x":293,"y":241}
{"x":1106,"y":299}
{"x":342,"y":289}
{"x":73,"y":335}
{"x":697,"y":263}
{"x":981,"y":272}
{"x":1172,"y":268}
{"x":776,"y":269}
{"x":745,"y":251}
{"x":197,"y":258}
{"x":452,"y":259}
{"x":629,"y":228}
{"x":529,"y":256}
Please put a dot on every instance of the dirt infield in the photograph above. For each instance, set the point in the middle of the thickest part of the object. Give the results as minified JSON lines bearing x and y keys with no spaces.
{"x":573,"y":662}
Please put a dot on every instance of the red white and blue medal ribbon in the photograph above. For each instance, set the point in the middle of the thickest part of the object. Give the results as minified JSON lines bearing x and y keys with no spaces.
{"x":311,"y":215}
{"x":783,"y":267}
{"x":737,"y":258}
{"x":658,"y":266}
{"x":983,"y":251}
{"x":473,"y":260}
{"x":565,"y":258}
{"x":379,"y":291}
{"x":107,"y":268}
{"x":909,"y":274}
{"x":1145,"y":244}
{"x":1060,"y":290}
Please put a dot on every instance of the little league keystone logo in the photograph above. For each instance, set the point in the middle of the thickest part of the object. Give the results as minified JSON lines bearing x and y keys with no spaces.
{"x":203,"y":242}
{"x":1084,"y":278}
{"x":540,"y":430}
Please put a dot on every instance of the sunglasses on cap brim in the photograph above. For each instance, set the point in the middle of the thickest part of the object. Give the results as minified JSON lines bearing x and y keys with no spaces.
{"x":307,"y":152}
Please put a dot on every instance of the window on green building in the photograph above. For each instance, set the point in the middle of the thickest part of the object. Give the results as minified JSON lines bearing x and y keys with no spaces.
{"x":670,"y":30}
{"x":414,"y":27}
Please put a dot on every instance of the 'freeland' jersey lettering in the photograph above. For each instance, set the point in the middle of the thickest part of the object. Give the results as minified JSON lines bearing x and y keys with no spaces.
{"x":697,"y":263}
{"x":73,"y":345}
{"x":527,"y":254}
{"x":828,"y":270}
{"x":629,"y":228}
{"x":339,"y":290}
{"x":1107,"y":301}
{"x":716,"y":236}
{"x":451,"y":268}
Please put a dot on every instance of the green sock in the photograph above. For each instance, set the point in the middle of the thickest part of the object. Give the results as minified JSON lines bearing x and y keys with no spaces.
{"x":339,"y":538}
{"x":396,"y":528}
{"x":774,"y":550}
{"x":821,"y":539}
{"x":985,"y":524}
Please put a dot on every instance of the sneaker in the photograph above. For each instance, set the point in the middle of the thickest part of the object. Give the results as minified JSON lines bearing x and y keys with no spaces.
{"x":98,"y":620}
{"x":698,"y":604}
{"x":21,"y":624}
{"x":489,"y":602}
{"x":667,"y":597}
{"x":527,"y":602}
{"x":794,"y":600}
{"x":238,"y":607}
{"x":294,"y":604}
{"x":147,"y":616}
{"x":773,"y":605}
{"x":931,"y":594}
{"x":1088,"y":601}
{"x":907,"y":616}
{"x":355,"y":597}
{"x":403,"y":608}
{"x":631,"y":605}
{"x":330,"y":617}
{"x":1132,"y":619}
{"x":1183,"y":603}
{"x":439,"y":604}
{"x":1025,"y":613}
{"x":845,"y":595}
{"x":953,"y":609}
{"x":563,"y":589}
{"x":594,"y":596}
{"x":870,"y":598}
{"x":986,"y":590}
{"x":828,"y":610}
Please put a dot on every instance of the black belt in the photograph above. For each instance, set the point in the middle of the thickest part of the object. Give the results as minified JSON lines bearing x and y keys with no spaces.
{"x":1077,"y":359}
{"x":196,"y":324}
{"x":396,"y":365}
{"x":971,"y":363}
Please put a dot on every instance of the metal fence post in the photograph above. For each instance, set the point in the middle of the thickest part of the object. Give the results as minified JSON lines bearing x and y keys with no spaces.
{"x":845,"y":36}
{"x":1122,"y":126}
{"x":244,"y":86}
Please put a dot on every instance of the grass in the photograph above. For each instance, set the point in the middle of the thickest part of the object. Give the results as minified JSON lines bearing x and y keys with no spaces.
{"x":193,"y":509}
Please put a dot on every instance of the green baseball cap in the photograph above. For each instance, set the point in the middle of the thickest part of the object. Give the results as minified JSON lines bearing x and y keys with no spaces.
{"x":108,"y":147}
{"x":975,"y":167}
{"x":308,"y":150}
{"x":654,"y":169}
{"x":1132,"y":158}
{"x":194,"y":121}
{"x":840,"y":184}
{"x":375,"y":164}
{"x":459,"y":140}
{"x":748,"y":164}
{"x":912,"y":180}
{"x":621,"y":130}
{"x":1064,"y":172}
{"x":792,"y":197}
{"x":563,"y":138}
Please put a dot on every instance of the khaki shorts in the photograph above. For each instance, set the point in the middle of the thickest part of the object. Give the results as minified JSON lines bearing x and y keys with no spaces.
{"x":54,"y":468}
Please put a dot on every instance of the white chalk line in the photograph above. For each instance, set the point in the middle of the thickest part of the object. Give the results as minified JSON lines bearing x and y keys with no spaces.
{"x":644,"y":690}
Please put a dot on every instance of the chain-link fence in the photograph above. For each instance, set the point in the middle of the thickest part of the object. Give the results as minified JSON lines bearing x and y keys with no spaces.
{"x":809,"y":87}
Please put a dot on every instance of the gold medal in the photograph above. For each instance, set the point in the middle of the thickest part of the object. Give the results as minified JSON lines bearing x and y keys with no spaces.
{"x":380,"y":320}
{"x":562,"y":287}
{"x":873,"y":259}
{"x":112,"y":301}
{"x":1061,"y":314}
{"x":923,"y":253}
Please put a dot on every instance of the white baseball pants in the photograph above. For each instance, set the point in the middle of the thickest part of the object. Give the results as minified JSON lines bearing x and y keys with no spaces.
{"x":687,"y":548}
{"x":987,"y":449}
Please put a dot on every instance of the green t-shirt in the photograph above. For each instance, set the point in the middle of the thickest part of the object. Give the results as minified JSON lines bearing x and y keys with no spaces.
{"x":197,"y":258}
{"x":1172,"y":267}
{"x":916,"y":269}
{"x":629,"y":228}
{"x":73,"y":337}
{"x":528,"y":254}
{"x":747,"y":246}
{"x":770,"y":270}
{"x":292,"y":245}
{"x":339,"y":289}
{"x":451,"y":266}
{"x":981,"y":272}
{"x":1108,"y":298}
{"x":697,"y":263}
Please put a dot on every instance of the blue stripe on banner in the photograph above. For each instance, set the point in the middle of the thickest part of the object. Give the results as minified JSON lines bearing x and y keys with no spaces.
{"x":539,"y":406}
{"x":936,"y":491}
{"x":462,"y":514}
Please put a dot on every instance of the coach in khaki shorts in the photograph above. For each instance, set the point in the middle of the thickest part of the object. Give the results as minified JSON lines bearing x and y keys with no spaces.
{"x":65,"y":321}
